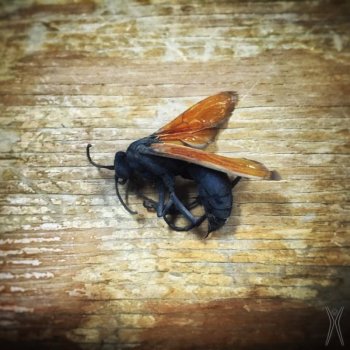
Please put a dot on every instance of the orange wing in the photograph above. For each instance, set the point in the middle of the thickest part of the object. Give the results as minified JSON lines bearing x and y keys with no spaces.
{"x":198,"y":125}
{"x":231,"y":166}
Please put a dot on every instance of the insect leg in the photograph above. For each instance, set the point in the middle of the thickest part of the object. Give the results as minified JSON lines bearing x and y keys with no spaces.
{"x":184,"y":228}
{"x":190,"y":226}
{"x":171,"y":205}
{"x":117,"y":182}
{"x":174,"y":200}
{"x":190,"y":206}
{"x":235,"y":181}
{"x":148,"y":203}
{"x":194,"y":204}
{"x":161,"y":196}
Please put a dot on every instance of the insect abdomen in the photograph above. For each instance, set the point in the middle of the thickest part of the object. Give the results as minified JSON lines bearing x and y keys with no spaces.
{"x":215,"y":194}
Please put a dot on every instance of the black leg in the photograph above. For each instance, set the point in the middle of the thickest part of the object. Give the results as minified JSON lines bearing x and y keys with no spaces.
{"x":148,"y":203}
{"x":184,"y":228}
{"x":175,"y":201}
{"x":190,"y":226}
{"x":194,"y":221}
{"x":235,"y":181}
{"x":194,"y":204}
{"x":173,"y":205}
{"x":161,"y":198}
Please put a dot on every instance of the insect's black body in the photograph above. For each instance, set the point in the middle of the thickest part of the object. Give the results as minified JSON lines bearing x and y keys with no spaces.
{"x":141,"y":160}
{"x":214,"y":193}
{"x":159,"y":158}
{"x":214,"y":187}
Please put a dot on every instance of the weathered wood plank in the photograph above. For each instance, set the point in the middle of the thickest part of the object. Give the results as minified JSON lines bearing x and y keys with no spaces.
{"x":76,"y":270}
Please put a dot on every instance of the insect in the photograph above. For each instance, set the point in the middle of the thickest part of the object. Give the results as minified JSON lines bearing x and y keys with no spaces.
{"x":176,"y":150}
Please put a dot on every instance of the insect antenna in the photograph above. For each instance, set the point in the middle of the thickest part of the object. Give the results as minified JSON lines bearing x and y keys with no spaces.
{"x":109,"y":167}
{"x":122,"y":182}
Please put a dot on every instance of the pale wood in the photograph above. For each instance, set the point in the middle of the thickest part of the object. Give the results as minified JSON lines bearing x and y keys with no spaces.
{"x":77,"y":271}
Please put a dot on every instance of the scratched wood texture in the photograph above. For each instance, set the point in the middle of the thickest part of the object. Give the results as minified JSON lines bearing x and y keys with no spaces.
{"x":79,"y":272}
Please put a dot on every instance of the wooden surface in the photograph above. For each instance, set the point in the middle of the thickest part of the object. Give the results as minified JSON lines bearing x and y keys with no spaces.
{"x":79,"y":272}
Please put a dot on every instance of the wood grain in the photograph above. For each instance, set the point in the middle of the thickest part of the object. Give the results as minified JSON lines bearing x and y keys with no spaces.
{"x":79,"y":272}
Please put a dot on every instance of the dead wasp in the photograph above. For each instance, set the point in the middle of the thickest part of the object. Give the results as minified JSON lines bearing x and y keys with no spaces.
{"x":175,"y":150}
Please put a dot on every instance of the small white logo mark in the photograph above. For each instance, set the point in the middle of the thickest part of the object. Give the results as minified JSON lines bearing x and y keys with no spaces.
{"x":334,"y":322}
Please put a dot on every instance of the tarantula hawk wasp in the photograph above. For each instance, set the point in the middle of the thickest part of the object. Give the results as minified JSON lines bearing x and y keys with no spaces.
{"x":175,"y":150}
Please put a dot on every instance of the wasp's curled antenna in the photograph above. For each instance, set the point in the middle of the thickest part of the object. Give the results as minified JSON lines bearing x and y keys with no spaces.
{"x":109,"y":167}
{"x":117,"y":180}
